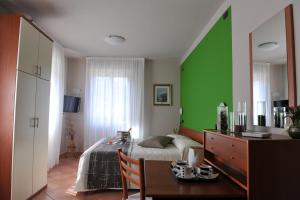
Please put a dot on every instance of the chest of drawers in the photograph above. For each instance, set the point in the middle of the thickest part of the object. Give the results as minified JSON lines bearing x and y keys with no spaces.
{"x":265,"y":168}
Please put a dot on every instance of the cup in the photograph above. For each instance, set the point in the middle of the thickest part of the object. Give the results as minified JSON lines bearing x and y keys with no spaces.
{"x":205,"y":169}
{"x":242,"y":116}
{"x":195,"y":156}
{"x":238,"y":121}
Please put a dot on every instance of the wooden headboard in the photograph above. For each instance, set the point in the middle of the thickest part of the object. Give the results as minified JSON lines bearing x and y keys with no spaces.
{"x":195,"y":135}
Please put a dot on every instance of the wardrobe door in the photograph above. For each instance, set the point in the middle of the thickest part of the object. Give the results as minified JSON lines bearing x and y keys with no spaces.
{"x":40,"y":156}
{"x":45,"y":57}
{"x":23,"y":136}
{"x":28,"y":48}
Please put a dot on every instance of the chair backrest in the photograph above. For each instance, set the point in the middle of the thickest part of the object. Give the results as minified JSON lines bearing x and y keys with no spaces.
{"x":134,"y":175}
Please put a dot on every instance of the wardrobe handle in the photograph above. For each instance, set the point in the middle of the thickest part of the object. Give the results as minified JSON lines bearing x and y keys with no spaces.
{"x":32,"y":122}
{"x":36,"y":70}
{"x":40,"y":70}
{"x":38,"y":121}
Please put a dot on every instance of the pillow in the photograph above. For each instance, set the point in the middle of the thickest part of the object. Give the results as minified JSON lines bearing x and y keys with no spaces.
{"x":183,"y":143}
{"x":156,"y":142}
{"x":177,"y":136}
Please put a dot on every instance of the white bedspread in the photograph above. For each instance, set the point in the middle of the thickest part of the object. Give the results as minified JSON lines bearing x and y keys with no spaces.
{"x":171,"y":152}
{"x":83,"y":168}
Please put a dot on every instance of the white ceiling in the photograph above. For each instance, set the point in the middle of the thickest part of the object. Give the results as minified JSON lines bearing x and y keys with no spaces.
{"x":153,"y":28}
{"x":271,"y":31}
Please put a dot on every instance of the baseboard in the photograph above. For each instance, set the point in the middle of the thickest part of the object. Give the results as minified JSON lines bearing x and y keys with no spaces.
{"x":35,"y":194}
{"x":70,"y":155}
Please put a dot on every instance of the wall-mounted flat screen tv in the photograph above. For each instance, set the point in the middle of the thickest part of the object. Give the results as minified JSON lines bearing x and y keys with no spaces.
{"x":71,"y":104}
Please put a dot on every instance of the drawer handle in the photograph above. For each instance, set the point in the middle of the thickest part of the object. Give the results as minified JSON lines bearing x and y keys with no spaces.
{"x":232,"y":158}
{"x":212,"y":138}
{"x":232,"y":145}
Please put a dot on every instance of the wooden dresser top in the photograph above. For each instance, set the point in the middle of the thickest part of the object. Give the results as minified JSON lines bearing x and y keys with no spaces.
{"x":239,"y":136}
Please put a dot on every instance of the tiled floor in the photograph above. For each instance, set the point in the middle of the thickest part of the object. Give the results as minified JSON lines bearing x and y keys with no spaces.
{"x":61,"y":181}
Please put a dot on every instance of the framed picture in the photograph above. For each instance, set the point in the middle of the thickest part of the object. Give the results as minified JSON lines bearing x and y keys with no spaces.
{"x":162,"y":94}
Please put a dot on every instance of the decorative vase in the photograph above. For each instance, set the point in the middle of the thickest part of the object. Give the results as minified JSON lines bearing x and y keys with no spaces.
{"x":222,"y":117}
{"x":294,"y":132}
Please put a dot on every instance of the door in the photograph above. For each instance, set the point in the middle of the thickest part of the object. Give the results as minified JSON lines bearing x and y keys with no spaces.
{"x":40,"y":156}
{"x":28,"y":48}
{"x":23,"y":136}
{"x":45,"y":57}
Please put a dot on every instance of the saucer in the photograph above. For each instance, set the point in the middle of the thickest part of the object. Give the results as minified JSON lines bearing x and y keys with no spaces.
{"x":208,"y":177}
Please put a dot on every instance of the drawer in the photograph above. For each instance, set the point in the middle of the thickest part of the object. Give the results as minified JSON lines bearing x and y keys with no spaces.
{"x":216,"y":145}
{"x":238,"y":149}
{"x":230,"y":151}
{"x":209,"y":142}
{"x":225,"y":144}
{"x":237,"y":154}
{"x":237,"y":163}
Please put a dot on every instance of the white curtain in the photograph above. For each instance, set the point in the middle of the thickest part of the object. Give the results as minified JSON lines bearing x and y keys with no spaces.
{"x":262,"y":91}
{"x":56,"y":104}
{"x":114,"y":97}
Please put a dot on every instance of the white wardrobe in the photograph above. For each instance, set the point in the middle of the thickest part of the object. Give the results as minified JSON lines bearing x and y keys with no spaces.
{"x":30,"y":143}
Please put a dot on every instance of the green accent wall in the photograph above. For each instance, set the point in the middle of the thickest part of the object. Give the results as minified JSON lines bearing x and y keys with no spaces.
{"x":206,"y":77}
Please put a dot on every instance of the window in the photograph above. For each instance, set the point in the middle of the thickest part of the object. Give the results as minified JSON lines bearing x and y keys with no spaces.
{"x":111,"y":102}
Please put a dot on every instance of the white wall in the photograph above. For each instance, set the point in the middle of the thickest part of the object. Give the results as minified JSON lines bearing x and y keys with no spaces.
{"x":160,"y":120}
{"x":63,"y":138}
{"x":75,"y":86}
{"x":246,"y":17}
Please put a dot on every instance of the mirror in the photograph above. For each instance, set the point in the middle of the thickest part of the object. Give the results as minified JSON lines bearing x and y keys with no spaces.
{"x":272,"y":70}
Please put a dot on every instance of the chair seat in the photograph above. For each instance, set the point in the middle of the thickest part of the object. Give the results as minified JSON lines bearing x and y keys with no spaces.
{"x":137,"y":197}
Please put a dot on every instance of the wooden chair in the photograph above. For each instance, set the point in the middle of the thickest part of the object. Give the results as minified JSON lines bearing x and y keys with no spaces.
{"x":127,"y":171}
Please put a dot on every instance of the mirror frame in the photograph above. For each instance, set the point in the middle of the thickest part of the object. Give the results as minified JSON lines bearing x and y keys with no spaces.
{"x":291,"y":61}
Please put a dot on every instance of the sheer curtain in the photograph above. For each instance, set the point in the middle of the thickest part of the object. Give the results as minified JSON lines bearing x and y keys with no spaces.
{"x":114,"y":97}
{"x":261,"y":90}
{"x":56,"y":104}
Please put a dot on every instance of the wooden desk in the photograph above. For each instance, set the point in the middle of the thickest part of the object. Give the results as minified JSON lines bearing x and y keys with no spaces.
{"x":161,"y":184}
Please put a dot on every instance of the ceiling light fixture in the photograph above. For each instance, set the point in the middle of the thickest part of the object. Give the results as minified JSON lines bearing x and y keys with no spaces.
{"x":268,"y":46}
{"x":114,"y":39}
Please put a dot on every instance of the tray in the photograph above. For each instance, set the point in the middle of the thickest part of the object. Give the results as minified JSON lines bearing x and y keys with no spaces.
{"x":195,"y":177}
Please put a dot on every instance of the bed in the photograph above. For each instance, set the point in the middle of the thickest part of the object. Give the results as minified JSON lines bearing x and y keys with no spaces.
{"x":98,"y":167}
